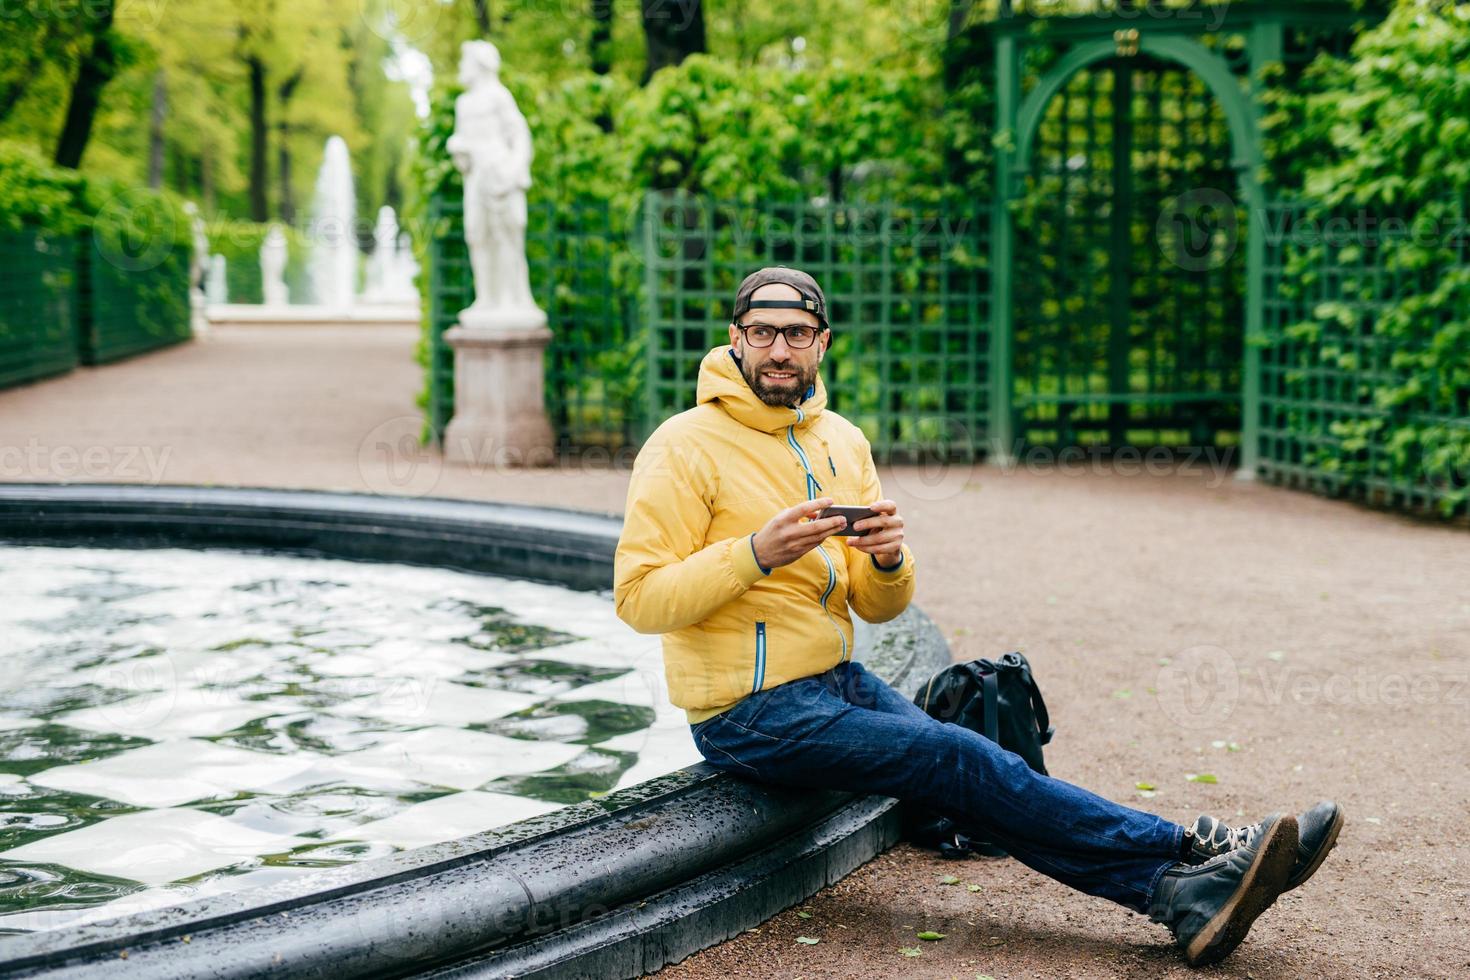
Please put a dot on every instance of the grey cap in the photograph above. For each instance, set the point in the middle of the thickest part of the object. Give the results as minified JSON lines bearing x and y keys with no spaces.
{"x":811,"y":300}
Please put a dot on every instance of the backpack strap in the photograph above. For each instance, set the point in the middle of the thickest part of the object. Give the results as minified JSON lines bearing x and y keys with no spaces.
{"x":1043,"y":719}
{"x":991,"y":685}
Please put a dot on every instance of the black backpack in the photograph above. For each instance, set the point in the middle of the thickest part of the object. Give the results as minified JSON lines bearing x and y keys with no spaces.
{"x":998,"y":699}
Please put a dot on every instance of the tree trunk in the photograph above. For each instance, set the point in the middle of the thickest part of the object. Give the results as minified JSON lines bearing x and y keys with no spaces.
{"x":284,"y":92}
{"x":674,"y":29}
{"x":599,"y":47}
{"x":155,"y":130}
{"x":95,"y":71}
{"x":286,"y":206}
{"x":206,"y":180}
{"x":259,"y":203}
{"x":599,"y":43}
{"x":482,"y":16}
{"x":956,"y":48}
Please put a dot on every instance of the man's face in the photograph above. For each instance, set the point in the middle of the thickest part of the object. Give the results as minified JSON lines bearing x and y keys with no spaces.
{"x":779,"y":374}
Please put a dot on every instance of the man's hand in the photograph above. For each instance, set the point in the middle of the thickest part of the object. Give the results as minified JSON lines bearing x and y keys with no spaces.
{"x":786,"y":537}
{"x":884,"y":540}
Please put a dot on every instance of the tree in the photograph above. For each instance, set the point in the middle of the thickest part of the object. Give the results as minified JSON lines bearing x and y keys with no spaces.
{"x":96,"y":69}
{"x":482,"y":16}
{"x":599,"y":40}
{"x":673,"y":30}
{"x":156,"y":118}
{"x":284,"y":93}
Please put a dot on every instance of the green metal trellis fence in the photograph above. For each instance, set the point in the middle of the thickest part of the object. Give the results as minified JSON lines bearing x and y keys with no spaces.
{"x":906,"y":288}
{"x":574,"y":251}
{"x":1324,"y":425}
{"x":38,"y":306}
{"x":66,"y":301}
{"x":634,"y":306}
{"x":130,"y":307}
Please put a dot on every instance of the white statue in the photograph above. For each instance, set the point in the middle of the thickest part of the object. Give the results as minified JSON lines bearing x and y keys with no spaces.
{"x":491,"y":146}
{"x":389,"y":277}
{"x":198,"y":259}
{"x":201,"y":246}
{"x":273,"y":267}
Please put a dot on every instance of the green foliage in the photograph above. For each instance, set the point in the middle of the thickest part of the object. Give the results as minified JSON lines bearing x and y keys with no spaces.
{"x":35,"y":193}
{"x":1380,"y":142}
{"x":102,"y":267}
{"x":822,"y":134}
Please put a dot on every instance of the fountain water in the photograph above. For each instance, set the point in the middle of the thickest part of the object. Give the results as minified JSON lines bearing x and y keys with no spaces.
{"x":390,"y":298}
{"x":334,"y":248}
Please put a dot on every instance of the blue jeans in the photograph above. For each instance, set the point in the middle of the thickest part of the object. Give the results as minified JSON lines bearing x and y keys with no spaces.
{"x":846,"y":729}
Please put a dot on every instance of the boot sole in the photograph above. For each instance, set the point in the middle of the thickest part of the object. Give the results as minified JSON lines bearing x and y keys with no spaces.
{"x":1322,"y":851}
{"x":1263,"y":881}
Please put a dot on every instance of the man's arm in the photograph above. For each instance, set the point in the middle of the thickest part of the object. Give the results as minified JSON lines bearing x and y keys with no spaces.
{"x":878,"y":587}
{"x":664,"y":575}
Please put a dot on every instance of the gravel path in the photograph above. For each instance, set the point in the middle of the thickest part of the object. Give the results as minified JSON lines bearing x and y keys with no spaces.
{"x":1179,"y":623}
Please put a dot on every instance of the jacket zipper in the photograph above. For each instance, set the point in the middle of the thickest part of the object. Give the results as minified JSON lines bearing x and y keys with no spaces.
{"x":760,"y":656}
{"x":811,"y":487}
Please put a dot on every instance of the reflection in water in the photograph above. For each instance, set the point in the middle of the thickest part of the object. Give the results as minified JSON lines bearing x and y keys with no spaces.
{"x":177,"y":724}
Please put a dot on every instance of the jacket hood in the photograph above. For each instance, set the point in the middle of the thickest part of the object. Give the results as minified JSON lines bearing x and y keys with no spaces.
{"x":721,"y":382}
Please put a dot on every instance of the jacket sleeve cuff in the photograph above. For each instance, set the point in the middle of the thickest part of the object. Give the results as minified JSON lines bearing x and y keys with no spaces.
{"x":889,"y":569}
{"x":742,"y":561}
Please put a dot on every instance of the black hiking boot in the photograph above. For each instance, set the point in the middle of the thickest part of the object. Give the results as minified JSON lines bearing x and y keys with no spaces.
{"x":1317,"y":830}
{"x":1210,"y":907}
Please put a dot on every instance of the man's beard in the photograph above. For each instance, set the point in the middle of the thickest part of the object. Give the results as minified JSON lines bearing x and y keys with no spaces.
{"x":780,"y":397}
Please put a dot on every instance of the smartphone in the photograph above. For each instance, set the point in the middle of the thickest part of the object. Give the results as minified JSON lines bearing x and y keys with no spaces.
{"x":853,"y":515}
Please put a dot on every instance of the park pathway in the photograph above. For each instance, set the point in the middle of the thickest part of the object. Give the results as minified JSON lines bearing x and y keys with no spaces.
{"x":325,"y":407}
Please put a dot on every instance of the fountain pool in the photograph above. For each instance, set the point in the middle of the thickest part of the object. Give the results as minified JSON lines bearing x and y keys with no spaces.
{"x":176,"y":724}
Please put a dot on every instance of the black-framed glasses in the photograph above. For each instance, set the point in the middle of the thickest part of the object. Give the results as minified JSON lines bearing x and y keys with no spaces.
{"x":798,"y":336}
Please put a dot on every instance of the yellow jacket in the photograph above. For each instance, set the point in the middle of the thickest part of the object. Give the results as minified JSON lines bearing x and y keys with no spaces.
{"x":703,"y":484}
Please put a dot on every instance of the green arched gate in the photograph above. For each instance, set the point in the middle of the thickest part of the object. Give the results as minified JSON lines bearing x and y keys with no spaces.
{"x":1127,"y":259}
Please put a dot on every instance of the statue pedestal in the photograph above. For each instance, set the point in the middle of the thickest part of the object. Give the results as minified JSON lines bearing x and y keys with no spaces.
{"x":198,"y":313}
{"x":499,"y":412}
